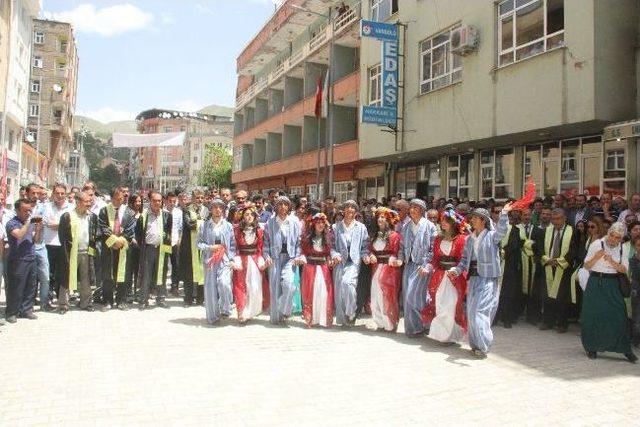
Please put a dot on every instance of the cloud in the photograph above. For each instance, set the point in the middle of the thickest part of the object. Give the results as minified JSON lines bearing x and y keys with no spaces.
{"x":108,"y":114}
{"x":108,"y":21}
{"x":188,"y":105}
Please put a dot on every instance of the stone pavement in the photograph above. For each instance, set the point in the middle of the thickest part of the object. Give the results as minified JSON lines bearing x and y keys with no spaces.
{"x":166,"y":367}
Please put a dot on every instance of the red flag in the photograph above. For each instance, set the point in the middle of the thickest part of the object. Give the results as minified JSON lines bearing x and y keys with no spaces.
{"x":319,"y":92}
{"x":528,"y":198}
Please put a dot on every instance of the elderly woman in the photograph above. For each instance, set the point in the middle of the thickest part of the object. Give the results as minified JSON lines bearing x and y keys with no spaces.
{"x":604,"y":316}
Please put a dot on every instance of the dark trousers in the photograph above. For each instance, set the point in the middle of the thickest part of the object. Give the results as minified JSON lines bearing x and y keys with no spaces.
{"x":150,"y":265}
{"x":556,"y":311}
{"x":188,"y":292}
{"x":21,"y":287}
{"x":133,"y":273}
{"x":175,"y":261}
{"x":56,"y":266}
{"x":635,"y":312}
{"x":110,"y":275}
{"x":363,"y":290}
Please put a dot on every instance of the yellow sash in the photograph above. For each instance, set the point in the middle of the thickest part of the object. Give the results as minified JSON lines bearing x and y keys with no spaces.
{"x":528,"y":268}
{"x":122,"y":257}
{"x":73,"y":255}
{"x":164,"y":249}
{"x":553,"y":280}
{"x":196,"y":264}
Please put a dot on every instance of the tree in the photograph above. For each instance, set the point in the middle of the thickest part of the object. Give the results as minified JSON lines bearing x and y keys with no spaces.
{"x":216,"y":169}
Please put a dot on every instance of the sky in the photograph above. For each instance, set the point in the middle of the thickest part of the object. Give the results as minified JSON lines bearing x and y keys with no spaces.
{"x":174,"y":54}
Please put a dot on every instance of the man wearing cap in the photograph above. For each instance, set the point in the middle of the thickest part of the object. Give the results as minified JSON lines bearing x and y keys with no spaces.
{"x":481,"y":260}
{"x":217,"y":243}
{"x":281,"y":248}
{"x":415,"y":252}
{"x":350,"y":248}
{"x":190,"y":264}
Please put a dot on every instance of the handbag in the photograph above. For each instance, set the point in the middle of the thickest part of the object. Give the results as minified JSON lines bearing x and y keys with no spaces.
{"x":623,"y":280}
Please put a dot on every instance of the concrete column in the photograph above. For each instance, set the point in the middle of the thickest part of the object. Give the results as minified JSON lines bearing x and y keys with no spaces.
{"x":259,"y":151}
{"x":261,"y":112}
{"x":274,"y":147}
{"x":276,"y":102}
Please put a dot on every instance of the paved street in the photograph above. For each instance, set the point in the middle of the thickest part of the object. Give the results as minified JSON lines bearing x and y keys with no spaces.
{"x":167,"y":367}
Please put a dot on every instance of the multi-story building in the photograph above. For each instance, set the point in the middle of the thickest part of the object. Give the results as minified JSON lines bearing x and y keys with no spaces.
{"x":77,"y":172}
{"x":496,"y":91}
{"x":166,"y":166}
{"x":277,"y":134}
{"x":15,"y":48}
{"x":52,"y":95}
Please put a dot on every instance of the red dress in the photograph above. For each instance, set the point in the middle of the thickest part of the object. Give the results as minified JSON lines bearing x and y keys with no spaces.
{"x":439,"y":271}
{"x":316,"y":272}
{"x":388,"y":281}
{"x":245,"y":251}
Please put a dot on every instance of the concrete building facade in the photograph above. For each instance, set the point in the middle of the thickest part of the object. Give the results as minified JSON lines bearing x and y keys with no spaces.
{"x":534,"y":94}
{"x":277,"y":134}
{"x":52,"y":95}
{"x":15,"y":47}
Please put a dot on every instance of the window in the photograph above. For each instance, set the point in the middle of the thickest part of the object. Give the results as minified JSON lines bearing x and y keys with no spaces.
{"x":183,"y":128}
{"x":35,"y":86}
{"x":529,"y":27}
{"x":615,"y":167}
{"x":296,"y":190}
{"x":313,"y":191}
{"x":459,"y":174}
{"x":195,"y":159}
{"x":37,"y":62}
{"x":197,"y":146}
{"x":381,"y":10}
{"x":12,"y":140}
{"x":497,"y":173}
{"x":166,"y":171}
{"x":38,"y":38}
{"x":438,"y":66}
{"x":375,"y":86}
{"x":167,"y":129}
{"x":344,"y":191}
{"x":34,"y":110}
{"x":63,"y":46}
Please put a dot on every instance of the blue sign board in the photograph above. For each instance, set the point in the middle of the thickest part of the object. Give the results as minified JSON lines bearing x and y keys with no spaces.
{"x":383,"y":116}
{"x":379,"y":30}
{"x":390,"y":74}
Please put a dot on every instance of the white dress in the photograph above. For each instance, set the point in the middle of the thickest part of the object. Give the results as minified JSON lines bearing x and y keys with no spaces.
{"x":319,"y":314}
{"x":253,"y":279}
{"x":443,"y":326}
{"x":377,"y":298}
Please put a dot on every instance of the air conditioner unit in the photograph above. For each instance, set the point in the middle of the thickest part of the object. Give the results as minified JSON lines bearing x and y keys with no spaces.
{"x":464,"y":40}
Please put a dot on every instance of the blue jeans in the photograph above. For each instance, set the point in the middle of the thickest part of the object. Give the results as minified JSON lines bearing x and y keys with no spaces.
{"x":42,"y":265}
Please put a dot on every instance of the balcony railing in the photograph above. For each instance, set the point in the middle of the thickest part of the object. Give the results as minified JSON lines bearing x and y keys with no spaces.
{"x":341,"y":23}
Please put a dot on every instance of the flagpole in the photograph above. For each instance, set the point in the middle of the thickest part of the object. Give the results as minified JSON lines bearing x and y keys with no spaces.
{"x":319,"y":119}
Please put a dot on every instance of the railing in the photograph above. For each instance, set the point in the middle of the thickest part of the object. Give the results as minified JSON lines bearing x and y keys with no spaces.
{"x":320,"y":39}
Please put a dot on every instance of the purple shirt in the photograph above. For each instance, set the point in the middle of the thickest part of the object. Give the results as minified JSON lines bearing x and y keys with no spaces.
{"x":20,"y":250}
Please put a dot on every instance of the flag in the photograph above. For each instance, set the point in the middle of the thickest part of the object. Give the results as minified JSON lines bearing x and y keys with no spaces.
{"x":528,"y":198}
{"x":325,"y":95}
{"x":319,"y":94}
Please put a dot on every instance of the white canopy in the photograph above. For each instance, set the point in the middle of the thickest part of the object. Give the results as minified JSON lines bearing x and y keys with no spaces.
{"x":138,"y":140}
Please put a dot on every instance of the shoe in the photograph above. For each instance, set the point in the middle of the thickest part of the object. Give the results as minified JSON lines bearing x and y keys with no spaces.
{"x":106,"y":307}
{"x":631,"y":357}
{"x":123,"y":307}
{"x":479,"y":353}
{"x":12,"y":319}
{"x":162,"y":304}
{"x":89,"y":309}
{"x":62,"y":310}
{"x":562,"y":329}
{"x":592,"y":355}
{"x":47,"y":308}
{"x":545,"y":327}
{"x":143,"y":306}
{"x":29,"y":316}
{"x":174,"y":291}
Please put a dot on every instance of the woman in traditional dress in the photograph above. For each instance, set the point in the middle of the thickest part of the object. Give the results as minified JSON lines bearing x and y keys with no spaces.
{"x":604,"y":313}
{"x":444,"y":311}
{"x":386,"y":275}
{"x":248,"y":281}
{"x":317,"y":284}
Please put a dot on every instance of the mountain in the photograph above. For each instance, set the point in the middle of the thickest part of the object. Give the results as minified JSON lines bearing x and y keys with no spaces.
{"x":104,"y":129}
{"x":218,"y":110}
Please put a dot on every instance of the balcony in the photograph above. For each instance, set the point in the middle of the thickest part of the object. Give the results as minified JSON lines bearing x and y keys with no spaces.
{"x":344,"y":153}
{"x":338,"y":28}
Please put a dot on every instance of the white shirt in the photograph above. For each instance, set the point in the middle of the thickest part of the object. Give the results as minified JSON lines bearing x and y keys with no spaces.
{"x":176,"y":225}
{"x":626,"y":212}
{"x":349,"y":230}
{"x":83,"y":232}
{"x":603,"y":266}
{"x":99,"y":204}
{"x":153,"y":236}
{"x":52,"y":214}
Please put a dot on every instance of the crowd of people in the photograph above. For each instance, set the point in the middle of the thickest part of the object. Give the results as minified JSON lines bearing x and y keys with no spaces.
{"x":453,"y":269}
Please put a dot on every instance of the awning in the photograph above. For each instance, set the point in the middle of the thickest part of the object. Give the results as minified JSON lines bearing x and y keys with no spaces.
{"x":630,"y":129}
{"x":138,"y":140}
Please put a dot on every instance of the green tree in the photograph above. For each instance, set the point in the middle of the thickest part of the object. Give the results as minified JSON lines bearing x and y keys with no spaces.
{"x":216,"y":169}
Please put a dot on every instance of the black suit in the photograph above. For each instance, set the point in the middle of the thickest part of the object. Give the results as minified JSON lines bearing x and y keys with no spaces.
{"x":150,"y":257}
{"x":109,"y":258}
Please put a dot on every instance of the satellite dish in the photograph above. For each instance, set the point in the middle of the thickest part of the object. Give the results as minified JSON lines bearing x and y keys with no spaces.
{"x":57,"y":88}
{"x":30,"y":138}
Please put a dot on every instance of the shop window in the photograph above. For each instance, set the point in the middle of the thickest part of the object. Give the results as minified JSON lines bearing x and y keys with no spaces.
{"x":496,"y":173}
{"x":375,"y":86}
{"x":438,"y":66}
{"x":344,"y":191}
{"x":296,"y":190}
{"x":459,"y":175}
{"x":524,"y":30}
{"x":312,"y":190}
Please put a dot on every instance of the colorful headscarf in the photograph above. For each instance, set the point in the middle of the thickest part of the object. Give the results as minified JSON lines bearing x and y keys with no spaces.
{"x":390,"y":215}
{"x":459,"y":221}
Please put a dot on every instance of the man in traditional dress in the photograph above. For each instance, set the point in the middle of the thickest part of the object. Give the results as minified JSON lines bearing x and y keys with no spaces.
{"x":191,"y":270}
{"x":556,"y":261}
{"x":153,"y":234}
{"x":527,"y":253}
{"x":481,"y":260}
{"x":77,"y":231}
{"x":416,"y":248}
{"x":281,"y":249}
{"x":176,"y":210}
{"x":511,"y":267}
{"x":216,"y":241}
{"x":350,"y":248}
{"x":117,"y":228}
{"x":538,"y":288}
